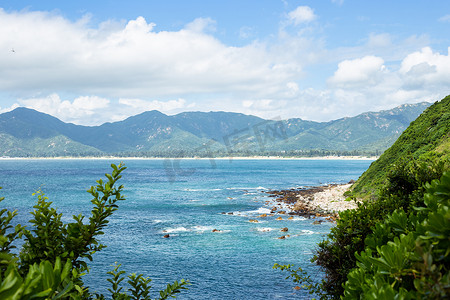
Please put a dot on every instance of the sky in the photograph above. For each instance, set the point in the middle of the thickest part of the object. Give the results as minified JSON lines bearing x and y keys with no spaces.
{"x":90,"y":62}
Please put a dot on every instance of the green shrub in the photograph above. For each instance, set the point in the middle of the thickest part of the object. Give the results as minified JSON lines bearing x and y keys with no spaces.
{"x":405,"y":188}
{"x":415,"y":263}
{"x":53,"y":257}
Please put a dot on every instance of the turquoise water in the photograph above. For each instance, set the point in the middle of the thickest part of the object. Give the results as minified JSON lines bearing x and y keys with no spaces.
{"x":187,"y":199}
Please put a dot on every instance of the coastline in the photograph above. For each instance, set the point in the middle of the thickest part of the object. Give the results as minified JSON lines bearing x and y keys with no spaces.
{"x":199,"y":158}
{"x":317,"y":201}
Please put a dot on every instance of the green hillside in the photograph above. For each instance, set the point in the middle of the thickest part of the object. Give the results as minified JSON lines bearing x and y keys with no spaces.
{"x":395,"y":244}
{"x":427,"y":138}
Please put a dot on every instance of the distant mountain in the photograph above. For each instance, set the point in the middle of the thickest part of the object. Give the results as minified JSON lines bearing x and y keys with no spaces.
{"x":26,"y":132}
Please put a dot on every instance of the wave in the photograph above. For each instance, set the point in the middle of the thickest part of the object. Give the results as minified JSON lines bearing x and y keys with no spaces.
{"x":201,"y":190}
{"x":264,"y":229}
{"x":307,"y":232}
{"x":247,"y":188}
{"x":196,"y":229}
{"x":200,"y":228}
{"x":257,"y":212}
{"x":175,"y":230}
{"x":298,"y":219}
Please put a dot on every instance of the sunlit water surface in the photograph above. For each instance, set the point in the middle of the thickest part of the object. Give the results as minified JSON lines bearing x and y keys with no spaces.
{"x":187,"y":199}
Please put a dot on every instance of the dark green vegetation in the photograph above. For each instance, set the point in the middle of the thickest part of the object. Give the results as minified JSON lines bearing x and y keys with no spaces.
{"x":28,"y":133}
{"x":54,"y":255}
{"x":426,"y":140}
{"x":396,"y":244}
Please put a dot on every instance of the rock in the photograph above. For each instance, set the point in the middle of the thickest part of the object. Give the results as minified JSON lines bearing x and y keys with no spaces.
{"x":216,"y":230}
{"x":230,"y":213}
{"x":166,"y":236}
{"x":282,"y":237}
{"x":284,"y":229}
{"x":263,"y":216}
{"x":318,"y":222}
{"x":279,"y":219}
{"x":282,"y":212}
{"x":229,"y":198}
{"x":297,"y":288}
{"x":253,"y":221}
{"x":290,"y":218}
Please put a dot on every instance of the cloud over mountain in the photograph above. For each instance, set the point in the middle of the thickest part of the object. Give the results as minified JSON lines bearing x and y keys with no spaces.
{"x":90,"y":73}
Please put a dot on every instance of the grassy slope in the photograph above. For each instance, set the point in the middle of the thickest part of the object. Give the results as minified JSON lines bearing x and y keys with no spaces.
{"x":428,"y":135}
{"x":43,"y":147}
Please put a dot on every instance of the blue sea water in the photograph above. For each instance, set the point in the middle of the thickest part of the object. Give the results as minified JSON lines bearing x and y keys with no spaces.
{"x":187,"y":199}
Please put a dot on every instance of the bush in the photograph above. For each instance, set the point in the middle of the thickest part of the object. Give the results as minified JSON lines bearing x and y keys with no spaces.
{"x":54,"y":255}
{"x":404,"y":191}
{"x":415,"y":263}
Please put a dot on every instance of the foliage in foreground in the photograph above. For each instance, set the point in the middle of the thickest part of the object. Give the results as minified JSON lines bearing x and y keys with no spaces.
{"x":381,"y":250}
{"x":404,"y":191}
{"x":406,"y":255}
{"x":415,"y":262}
{"x":54,"y":255}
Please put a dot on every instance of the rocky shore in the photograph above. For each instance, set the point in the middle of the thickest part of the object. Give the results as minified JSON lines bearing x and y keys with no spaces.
{"x":320,"y":201}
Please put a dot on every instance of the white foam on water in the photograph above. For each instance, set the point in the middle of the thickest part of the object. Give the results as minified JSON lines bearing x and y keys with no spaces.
{"x":308,"y":232}
{"x":177,"y":229}
{"x":264,"y":229}
{"x":200,"y":228}
{"x":196,"y":229}
{"x":298,"y":219}
{"x":203,"y":229}
{"x":201,"y":190}
{"x":257,"y":212}
{"x":247,"y":188}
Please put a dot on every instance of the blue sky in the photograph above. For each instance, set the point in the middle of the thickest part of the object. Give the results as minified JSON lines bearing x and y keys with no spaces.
{"x":90,"y":62}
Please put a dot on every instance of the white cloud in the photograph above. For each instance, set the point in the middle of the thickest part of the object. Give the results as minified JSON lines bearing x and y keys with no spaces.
{"x":131,"y":60}
{"x":426,"y":70}
{"x":141,"y":105}
{"x":445,"y":18}
{"x":81,"y":110}
{"x":246,"y":32}
{"x":302,"y":14}
{"x":360,"y":71}
{"x":201,"y":25}
{"x":94,"y":110}
{"x":90,"y":103}
{"x":120,"y":65}
{"x":426,"y":55}
{"x":365,"y":84}
{"x":6,"y":109}
{"x":379,"y":40}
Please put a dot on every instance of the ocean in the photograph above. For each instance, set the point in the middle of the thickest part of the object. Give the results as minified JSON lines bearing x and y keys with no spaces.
{"x":188,"y":199}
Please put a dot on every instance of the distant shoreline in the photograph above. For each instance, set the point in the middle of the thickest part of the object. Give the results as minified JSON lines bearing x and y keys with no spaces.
{"x":198,"y":158}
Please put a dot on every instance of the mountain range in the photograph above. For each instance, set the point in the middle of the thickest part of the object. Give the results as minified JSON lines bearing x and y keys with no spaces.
{"x":28,"y":133}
